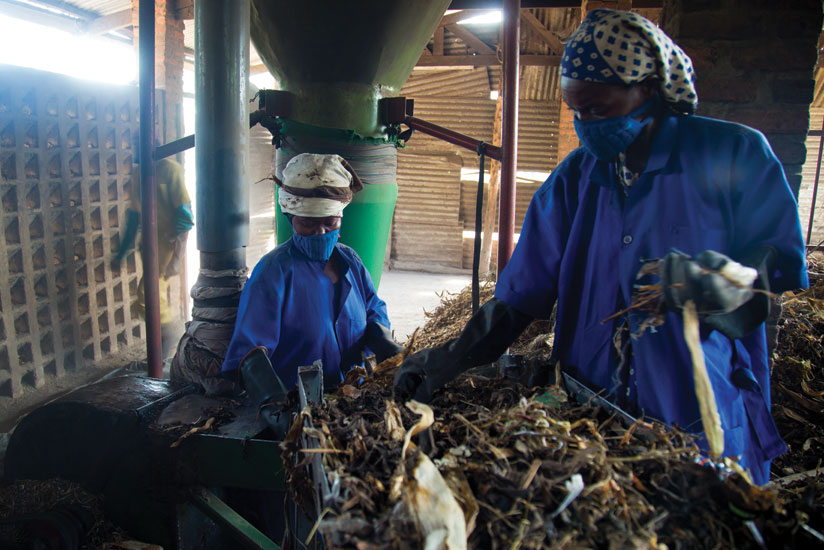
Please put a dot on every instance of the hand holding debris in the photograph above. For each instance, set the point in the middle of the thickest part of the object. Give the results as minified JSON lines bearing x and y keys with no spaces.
{"x":418,"y":376}
{"x":712,"y":281}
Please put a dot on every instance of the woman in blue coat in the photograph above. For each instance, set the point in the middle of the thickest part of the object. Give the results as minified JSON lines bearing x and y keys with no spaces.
{"x":311,"y":297}
{"x":652,"y":180}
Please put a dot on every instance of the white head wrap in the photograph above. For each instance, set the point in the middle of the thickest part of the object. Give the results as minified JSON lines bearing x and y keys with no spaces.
{"x":317,"y":186}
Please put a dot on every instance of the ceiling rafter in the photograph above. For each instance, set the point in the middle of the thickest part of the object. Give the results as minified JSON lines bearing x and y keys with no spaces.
{"x":470,"y":39}
{"x":485,"y":60}
{"x":554,"y":43}
{"x":111,"y":22}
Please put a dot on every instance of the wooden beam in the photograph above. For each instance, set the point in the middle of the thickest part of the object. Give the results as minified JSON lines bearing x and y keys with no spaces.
{"x":547,"y":35}
{"x":452,"y":18}
{"x":484,"y":60}
{"x":437,"y":41}
{"x":34,"y":15}
{"x":111,"y":22}
{"x":257,"y":69}
{"x":470,"y":39}
{"x":185,"y":9}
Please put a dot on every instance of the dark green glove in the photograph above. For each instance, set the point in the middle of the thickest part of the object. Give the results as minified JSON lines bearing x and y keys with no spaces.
{"x":698,"y":279}
{"x":378,"y":338}
{"x":129,"y":235}
{"x":484,"y":338}
{"x":749,"y":316}
{"x":731,"y":309}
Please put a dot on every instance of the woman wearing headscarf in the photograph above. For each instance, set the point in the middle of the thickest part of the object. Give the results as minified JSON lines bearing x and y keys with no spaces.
{"x":651,"y":180}
{"x":311,"y":297}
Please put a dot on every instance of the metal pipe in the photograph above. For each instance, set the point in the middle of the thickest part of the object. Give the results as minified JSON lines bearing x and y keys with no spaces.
{"x":174,"y":147}
{"x":509,"y":130}
{"x":222,"y":124}
{"x":453,"y":137}
{"x":148,"y":191}
{"x":815,"y":185}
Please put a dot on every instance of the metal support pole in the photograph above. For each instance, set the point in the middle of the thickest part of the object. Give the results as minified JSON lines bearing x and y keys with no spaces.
{"x":509,"y":134}
{"x":222,"y":128}
{"x":148,"y":191}
{"x":815,"y":186}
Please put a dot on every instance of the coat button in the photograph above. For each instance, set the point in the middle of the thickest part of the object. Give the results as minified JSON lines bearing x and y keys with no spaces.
{"x":627,"y":239}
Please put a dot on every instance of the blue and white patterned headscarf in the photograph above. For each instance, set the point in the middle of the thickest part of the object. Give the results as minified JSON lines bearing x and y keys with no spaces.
{"x":620,"y":47}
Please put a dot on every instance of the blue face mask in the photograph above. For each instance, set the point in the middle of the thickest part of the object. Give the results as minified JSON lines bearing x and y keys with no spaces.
{"x":317,"y":247}
{"x":607,"y":137}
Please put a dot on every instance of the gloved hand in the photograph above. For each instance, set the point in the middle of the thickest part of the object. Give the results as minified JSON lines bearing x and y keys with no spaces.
{"x":484,"y":338}
{"x":715,"y":283}
{"x":176,"y":263}
{"x":424,"y":372}
{"x":378,"y":338}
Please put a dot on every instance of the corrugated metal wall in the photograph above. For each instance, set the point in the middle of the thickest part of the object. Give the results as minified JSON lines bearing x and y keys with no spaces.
{"x":459,"y":99}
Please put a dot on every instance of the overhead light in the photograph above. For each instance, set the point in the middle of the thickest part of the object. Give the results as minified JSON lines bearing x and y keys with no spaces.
{"x":487,"y":18}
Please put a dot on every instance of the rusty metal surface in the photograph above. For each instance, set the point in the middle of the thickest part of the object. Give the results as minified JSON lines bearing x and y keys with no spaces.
{"x":126,"y":393}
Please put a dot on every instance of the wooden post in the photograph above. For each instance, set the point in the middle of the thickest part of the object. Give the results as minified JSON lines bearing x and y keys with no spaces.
{"x":491,"y":205}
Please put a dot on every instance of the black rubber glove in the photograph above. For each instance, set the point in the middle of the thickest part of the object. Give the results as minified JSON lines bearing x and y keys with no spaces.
{"x":731,"y":309}
{"x":484,"y":338}
{"x":379,"y":339}
{"x":745,"y":319}
{"x":684,"y":278}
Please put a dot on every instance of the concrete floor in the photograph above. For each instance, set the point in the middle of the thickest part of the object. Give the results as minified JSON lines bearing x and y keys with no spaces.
{"x":408,"y":293}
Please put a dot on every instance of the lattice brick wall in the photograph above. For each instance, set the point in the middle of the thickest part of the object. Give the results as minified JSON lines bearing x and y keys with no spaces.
{"x":65,"y":165}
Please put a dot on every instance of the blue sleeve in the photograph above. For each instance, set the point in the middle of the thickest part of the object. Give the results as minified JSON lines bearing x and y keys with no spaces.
{"x":258,"y":316}
{"x":529,"y":282}
{"x":766,"y":213}
{"x":183,"y":219}
{"x":375,"y":307}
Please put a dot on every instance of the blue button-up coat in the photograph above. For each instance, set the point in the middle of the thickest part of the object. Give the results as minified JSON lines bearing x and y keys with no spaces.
{"x":288,"y":306}
{"x":708,"y":185}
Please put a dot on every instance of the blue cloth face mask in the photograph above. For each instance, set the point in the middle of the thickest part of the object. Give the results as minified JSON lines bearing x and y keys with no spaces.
{"x":317,"y":247}
{"x":607,"y":137}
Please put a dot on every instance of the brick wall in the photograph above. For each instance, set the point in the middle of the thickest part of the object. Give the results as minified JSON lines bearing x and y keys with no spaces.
{"x":754,"y":61}
{"x":65,"y":165}
{"x":169,"y":57}
{"x":567,"y":138}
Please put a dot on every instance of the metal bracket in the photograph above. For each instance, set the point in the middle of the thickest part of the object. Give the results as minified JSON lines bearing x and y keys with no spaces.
{"x":310,"y":390}
{"x":219,"y":512}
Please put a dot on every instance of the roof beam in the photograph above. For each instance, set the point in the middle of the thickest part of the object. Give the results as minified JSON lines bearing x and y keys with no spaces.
{"x":547,"y":35}
{"x":41,"y":17}
{"x":111,"y":22}
{"x":484,"y":60}
{"x":185,"y":9}
{"x":496,"y":4}
{"x":470,"y":39}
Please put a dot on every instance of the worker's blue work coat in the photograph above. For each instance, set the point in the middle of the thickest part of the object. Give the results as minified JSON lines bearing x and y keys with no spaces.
{"x":708,"y":185}
{"x":288,"y":306}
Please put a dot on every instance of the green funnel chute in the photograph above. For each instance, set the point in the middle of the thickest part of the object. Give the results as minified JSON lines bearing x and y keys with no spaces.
{"x":337,"y":59}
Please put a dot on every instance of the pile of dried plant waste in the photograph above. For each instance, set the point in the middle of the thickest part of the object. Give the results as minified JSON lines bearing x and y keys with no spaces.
{"x":798,"y":376}
{"x":32,"y":504}
{"x":532,"y":469}
{"x":449,"y":318}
